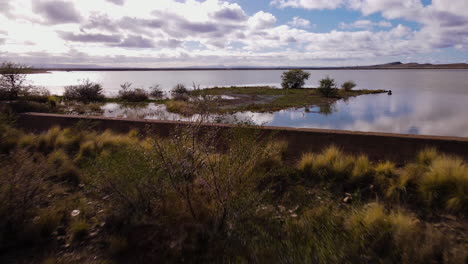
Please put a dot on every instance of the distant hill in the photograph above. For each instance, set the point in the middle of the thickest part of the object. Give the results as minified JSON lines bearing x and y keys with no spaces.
{"x":387,"y":66}
{"x":414,"y":65}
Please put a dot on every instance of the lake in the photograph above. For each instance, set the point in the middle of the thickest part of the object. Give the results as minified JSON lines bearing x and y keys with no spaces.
{"x":429,"y":102}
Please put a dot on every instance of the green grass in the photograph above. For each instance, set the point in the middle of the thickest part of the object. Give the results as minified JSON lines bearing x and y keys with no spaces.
{"x":279,"y":98}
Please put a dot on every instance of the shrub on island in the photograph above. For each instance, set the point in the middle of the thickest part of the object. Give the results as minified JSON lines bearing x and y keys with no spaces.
{"x":294,"y":79}
{"x":87,"y":91}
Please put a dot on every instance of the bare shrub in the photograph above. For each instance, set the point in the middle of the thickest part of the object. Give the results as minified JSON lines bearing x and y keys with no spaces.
{"x":22,"y":190}
{"x":87,"y":91}
{"x":180,"y":92}
{"x":156,"y":92}
{"x":13,"y":82}
{"x":129,"y":94}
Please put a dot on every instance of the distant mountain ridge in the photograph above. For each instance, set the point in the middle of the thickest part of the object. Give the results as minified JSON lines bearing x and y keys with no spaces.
{"x":386,"y":66}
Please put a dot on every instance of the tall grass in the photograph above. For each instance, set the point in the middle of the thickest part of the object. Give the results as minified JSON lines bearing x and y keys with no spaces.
{"x":226,"y":196}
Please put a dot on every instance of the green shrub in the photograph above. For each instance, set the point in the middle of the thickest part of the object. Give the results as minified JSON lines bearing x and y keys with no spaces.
{"x":126,"y":93}
{"x":328,"y":88}
{"x":86,"y":91}
{"x":348,"y":86}
{"x":294,"y":79}
{"x":29,"y":106}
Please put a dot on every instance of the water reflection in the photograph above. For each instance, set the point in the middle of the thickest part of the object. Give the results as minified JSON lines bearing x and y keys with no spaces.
{"x":420,"y":113}
{"x":432,"y":102}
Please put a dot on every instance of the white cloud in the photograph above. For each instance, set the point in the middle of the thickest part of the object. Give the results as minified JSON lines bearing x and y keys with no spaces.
{"x":262,"y":20}
{"x":299,"y":22}
{"x":309,"y":4}
{"x":365,"y":24}
{"x":177,"y":33}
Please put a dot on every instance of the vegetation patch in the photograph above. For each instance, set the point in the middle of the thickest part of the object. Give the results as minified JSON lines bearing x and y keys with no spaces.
{"x":77,"y":195}
{"x":270,"y":99}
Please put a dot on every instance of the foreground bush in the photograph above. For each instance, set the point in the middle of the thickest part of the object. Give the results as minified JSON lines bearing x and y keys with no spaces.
{"x":435,"y":180}
{"x":85,"y":92}
{"x":294,"y":79}
{"x":129,"y":94}
{"x":220,"y":196}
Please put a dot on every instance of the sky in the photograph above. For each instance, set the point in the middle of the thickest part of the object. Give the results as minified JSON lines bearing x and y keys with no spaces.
{"x":192,"y":33}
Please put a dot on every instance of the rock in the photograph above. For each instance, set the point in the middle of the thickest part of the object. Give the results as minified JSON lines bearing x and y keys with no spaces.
{"x":347,"y":199}
{"x":75,"y":213}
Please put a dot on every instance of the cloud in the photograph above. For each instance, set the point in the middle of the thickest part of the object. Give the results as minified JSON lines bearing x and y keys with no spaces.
{"x":232,"y":12}
{"x":2,"y":41}
{"x":365,"y":24}
{"x":220,"y":32}
{"x":308,"y":4}
{"x":5,"y":6}
{"x":94,"y":38}
{"x":262,"y":20}
{"x":136,"y":42}
{"x":117,"y":2}
{"x":299,"y":22}
{"x":57,"y":12}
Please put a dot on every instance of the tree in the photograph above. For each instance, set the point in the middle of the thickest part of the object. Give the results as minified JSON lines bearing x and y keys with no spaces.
{"x":13,"y":81}
{"x":328,"y":87}
{"x":294,"y":79}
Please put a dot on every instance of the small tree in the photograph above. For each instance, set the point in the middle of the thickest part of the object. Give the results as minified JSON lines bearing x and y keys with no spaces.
{"x":328,"y":87}
{"x":294,"y":79}
{"x":13,"y":81}
{"x":348,"y":86}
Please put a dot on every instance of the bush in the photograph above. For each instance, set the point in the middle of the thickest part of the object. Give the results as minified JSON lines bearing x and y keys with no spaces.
{"x":294,"y":79}
{"x":13,"y":81}
{"x":445,"y":184}
{"x":348,"y":86}
{"x":328,"y":88}
{"x":22,"y":190}
{"x":132,"y":95}
{"x":156,"y":92}
{"x":30,"y":106}
{"x":85,"y":92}
{"x":331,"y":164}
{"x":180,"y":92}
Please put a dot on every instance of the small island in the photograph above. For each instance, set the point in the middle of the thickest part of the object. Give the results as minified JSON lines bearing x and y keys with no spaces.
{"x":258,"y":99}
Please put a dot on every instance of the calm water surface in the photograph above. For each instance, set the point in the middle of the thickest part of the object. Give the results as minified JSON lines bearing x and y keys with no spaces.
{"x":431,"y":102}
